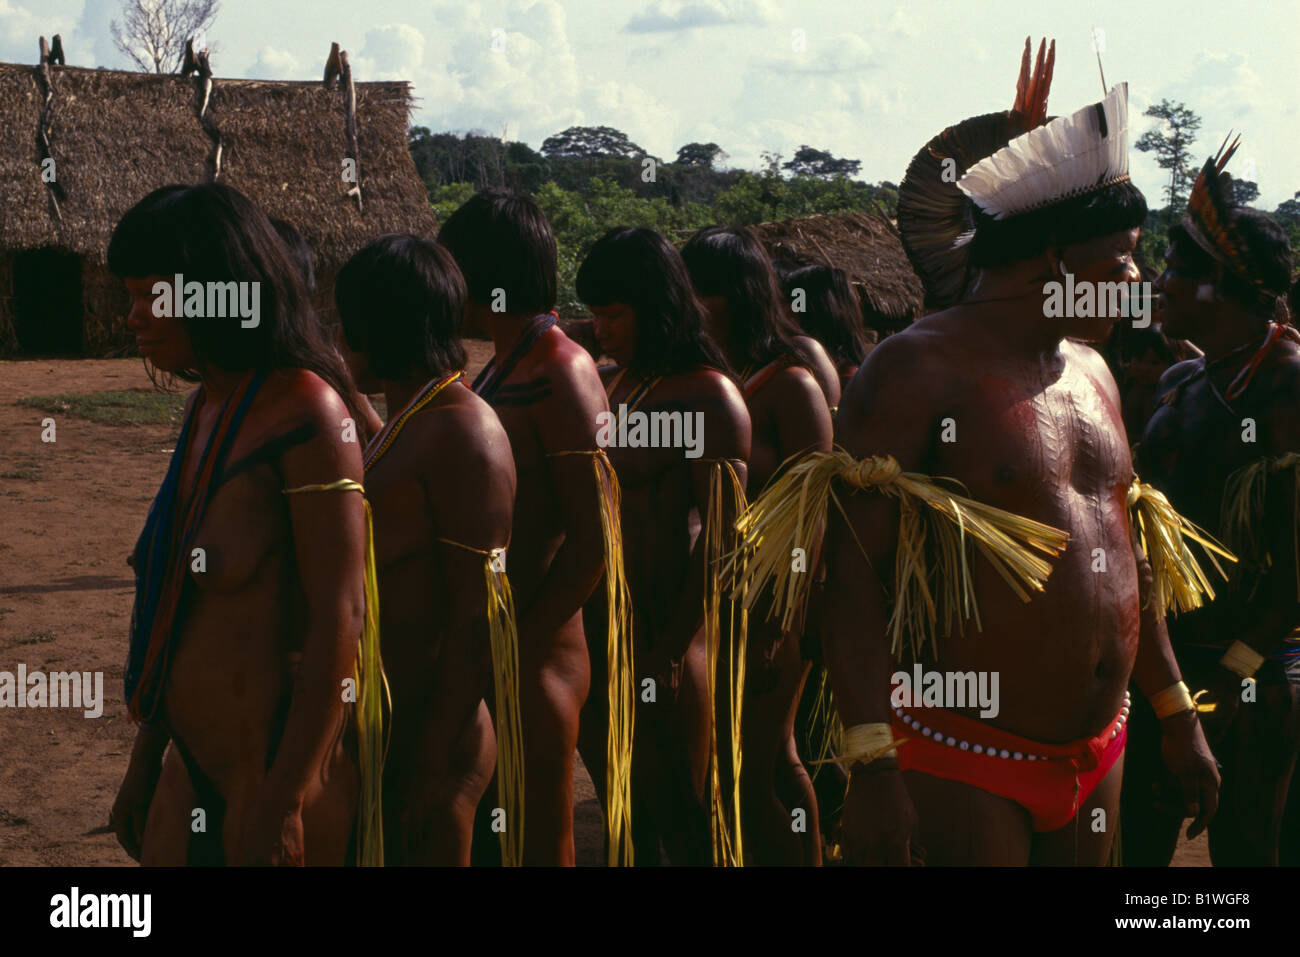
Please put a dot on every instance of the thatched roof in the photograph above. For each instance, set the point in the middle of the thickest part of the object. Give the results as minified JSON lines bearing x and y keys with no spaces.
{"x":864,"y":245}
{"x":115,"y":136}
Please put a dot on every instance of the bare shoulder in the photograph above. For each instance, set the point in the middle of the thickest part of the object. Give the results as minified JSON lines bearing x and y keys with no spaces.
{"x":465,"y":428}
{"x":1177,"y":373}
{"x":707,"y":384}
{"x":291,"y":400}
{"x":562,"y":355}
{"x":1285,"y":371}
{"x":303,"y":394}
{"x":916,"y":359}
{"x":1094,"y":365}
{"x":714,"y":393}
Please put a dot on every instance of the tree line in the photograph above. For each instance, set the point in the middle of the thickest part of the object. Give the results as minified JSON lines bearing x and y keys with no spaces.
{"x":589,"y":178}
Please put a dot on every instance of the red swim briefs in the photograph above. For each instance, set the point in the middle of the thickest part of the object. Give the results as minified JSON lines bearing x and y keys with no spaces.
{"x":1050,"y":781}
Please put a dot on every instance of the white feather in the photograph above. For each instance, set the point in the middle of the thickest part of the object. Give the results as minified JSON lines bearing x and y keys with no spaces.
{"x":1063,"y":158}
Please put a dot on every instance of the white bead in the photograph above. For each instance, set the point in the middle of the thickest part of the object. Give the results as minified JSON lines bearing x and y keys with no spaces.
{"x":1018,"y":756}
{"x":1005,"y":753}
{"x":965,"y":745}
{"x":926,"y":731}
{"x":1033,"y":757}
{"x":979,"y":749}
{"x":950,"y":741}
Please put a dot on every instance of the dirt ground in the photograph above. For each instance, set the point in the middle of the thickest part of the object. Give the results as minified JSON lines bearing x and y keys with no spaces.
{"x":69,"y":515}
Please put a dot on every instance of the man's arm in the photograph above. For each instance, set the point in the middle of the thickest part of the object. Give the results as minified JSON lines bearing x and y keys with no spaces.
{"x":889,"y":408}
{"x":1182,"y":745}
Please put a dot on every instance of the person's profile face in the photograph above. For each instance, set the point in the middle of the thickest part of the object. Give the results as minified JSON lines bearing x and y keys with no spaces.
{"x":162,"y":339}
{"x":614,"y":325}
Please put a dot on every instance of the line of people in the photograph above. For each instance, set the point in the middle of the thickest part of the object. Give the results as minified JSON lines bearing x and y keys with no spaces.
{"x":801,"y":537}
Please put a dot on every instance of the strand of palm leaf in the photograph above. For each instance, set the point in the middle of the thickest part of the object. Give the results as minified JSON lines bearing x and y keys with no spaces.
{"x":1179,"y":584}
{"x":503,"y":639}
{"x":939,"y":527}
{"x":618,"y":650}
{"x":728,"y":850}
{"x":373,"y":700}
{"x":1244,"y":508}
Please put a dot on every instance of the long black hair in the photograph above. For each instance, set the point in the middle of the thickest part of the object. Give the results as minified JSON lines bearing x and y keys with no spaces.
{"x":641,"y":268}
{"x":213,"y":233}
{"x":832,"y":313}
{"x":728,"y":261}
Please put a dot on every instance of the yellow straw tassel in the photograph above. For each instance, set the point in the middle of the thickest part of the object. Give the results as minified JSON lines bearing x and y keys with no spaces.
{"x":373,"y":699}
{"x":1244,"y":500}
{"x":503,"y":637}
{"x":505,"y":678}
{"x":728,"y":850}
{"x":935,"y":521}
{"x":622,"y":681}
{"x":1179,"y":582}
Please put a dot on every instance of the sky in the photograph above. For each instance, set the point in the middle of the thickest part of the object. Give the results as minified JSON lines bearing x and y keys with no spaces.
{"x":867,"y":80}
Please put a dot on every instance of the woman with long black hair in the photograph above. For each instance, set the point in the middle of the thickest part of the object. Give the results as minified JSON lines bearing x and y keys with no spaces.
{"x":678,"y":425}
{"x":830,"y":313}
{"x":789,"y":413}
{"x":250,"y":598}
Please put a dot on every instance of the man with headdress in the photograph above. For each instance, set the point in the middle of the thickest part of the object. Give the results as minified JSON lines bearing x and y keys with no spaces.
{"x":995,"y":394}
{"x":1223,"y":445}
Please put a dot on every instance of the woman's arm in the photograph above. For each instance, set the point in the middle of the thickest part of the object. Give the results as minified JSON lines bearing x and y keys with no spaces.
{"x":329,"y":539}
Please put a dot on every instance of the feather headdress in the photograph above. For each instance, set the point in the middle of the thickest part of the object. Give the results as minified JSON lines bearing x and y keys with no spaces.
{"x":1067,"y":157}
{"x":1209,"y":220}
{"x":935,"y":219}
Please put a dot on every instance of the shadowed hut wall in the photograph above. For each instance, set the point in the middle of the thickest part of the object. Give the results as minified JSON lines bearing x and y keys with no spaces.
{"x":116,"y":136}
{"x":104,"y":297}
{"x":8,"y":337}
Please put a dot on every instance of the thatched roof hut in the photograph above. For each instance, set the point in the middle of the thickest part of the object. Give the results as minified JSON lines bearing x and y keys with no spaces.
{"x":864,"y":245}
{"x":115,"y":136}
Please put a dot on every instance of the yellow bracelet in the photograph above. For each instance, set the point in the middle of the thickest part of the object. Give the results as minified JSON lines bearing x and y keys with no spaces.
{"x":1173,"y":700}
{"x":863,"y":743}
{"x":1241,"y":659}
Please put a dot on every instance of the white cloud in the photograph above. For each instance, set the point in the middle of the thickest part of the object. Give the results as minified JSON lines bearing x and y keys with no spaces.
{"x":824,"y":55}
{"x":664,"y":16}
{"x":391,"y":52}
{"x":273,"y":64}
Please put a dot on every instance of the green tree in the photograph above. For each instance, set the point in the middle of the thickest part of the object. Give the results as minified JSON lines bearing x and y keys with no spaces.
{"x":821,"y":164}
{"x":587,"y":142}
{"x":1244,"y":192}
{"x":1288,"y":216}
{"x":1173,"y":149}
{"x":700,"y":154}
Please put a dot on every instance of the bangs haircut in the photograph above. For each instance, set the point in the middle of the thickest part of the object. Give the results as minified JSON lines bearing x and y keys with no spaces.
{"x":642,"y":269}
{"x":503,"y":240}
{"x":832,"y":311}
{"x":214,"y":233}
{"x":1115,"y":209}
{"x":730,"y":262}
{"x":401,"y":300}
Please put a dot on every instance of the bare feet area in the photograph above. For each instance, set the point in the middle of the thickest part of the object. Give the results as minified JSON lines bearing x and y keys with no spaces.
{"x":70,"y":511}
